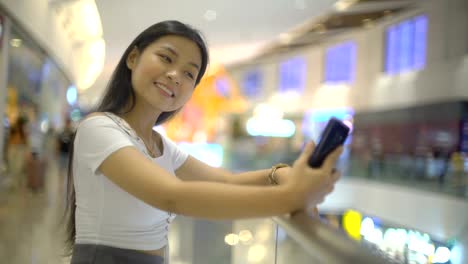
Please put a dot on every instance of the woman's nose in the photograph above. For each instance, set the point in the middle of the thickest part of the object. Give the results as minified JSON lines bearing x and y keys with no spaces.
{"x":173,"y":76}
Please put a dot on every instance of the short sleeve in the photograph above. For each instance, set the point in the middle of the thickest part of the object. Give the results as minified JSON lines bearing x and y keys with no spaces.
{"x":178,"y":156}
{"x":96,"y":139}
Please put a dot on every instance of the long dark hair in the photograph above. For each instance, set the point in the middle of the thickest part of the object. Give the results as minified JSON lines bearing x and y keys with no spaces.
{"x":119,"y":98}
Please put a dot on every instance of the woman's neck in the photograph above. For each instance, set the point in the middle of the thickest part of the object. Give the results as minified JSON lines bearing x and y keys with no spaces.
{"x":141,"y":121}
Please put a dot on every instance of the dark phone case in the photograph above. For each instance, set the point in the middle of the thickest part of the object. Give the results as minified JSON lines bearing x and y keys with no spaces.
{"x":334,"y":135}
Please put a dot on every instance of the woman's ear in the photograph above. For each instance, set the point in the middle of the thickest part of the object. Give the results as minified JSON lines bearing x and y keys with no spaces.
{"x":132,"y":58}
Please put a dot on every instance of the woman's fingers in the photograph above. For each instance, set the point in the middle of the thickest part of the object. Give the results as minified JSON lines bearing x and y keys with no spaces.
{"x":335,"y":176}
{"x":331,"y":159}
{"x":314,"y":211}
{"x":308,"y":150}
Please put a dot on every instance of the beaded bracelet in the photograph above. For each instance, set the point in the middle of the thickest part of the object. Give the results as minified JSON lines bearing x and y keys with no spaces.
{"x":271,"y":176}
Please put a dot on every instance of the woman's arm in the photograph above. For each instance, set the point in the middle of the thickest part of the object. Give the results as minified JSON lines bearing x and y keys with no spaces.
{"x":129,"y":169}
{"x":133,"y":172}
{"x":195,"y":170}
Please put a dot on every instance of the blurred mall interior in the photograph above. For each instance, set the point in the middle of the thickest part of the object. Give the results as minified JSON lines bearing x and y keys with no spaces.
{"x":395,"y":71}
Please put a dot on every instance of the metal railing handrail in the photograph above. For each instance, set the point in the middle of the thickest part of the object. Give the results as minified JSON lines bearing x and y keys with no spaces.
{"x":325,"y":243}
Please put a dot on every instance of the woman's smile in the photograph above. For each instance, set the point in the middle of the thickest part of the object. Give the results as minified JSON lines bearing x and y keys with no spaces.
{"x":165,"y":90}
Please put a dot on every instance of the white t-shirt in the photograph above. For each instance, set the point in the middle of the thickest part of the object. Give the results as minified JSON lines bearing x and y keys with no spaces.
{"x":105,"y":213}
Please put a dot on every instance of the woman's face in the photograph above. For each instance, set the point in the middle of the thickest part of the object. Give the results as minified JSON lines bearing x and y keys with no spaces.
{"x":164,"y":74}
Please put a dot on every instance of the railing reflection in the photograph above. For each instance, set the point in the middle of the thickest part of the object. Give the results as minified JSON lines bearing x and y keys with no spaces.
{"x":287,"y":239}
{"x":323,"y":243}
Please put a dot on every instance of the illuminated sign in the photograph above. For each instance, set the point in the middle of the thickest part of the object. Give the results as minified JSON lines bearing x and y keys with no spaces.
{"x":222,"y":86}
{"x":252,"y":83}
{"x":406,"y":45}
{"x":352,"y":224}
{"x":267,"y":121}
{"x":340,"y":63}
{"x":292,"y":75}
{"x":397,"y":242}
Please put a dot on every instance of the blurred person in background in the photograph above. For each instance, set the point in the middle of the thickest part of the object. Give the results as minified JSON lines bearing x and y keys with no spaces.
{"x":35,"y":164}
{"x":16,"y":151}
{"x":64,"y":140}
{"x":35,"y":134}
{"x":4,"y":162}
{"x":441,"y":158}
{"x":131,"y":181}
{"x":457,"y":163}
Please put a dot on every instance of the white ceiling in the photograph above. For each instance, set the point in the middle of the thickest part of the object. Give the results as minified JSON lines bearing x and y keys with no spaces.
{"x":240,"y":29}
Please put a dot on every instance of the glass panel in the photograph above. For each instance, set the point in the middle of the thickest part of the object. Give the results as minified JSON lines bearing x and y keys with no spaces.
{"x":199,"y":242}
{"x":240,"y":242}
{"x":257,"y":238}
{"x":289,"y":251}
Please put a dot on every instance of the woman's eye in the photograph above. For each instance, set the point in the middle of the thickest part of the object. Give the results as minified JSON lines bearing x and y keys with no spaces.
{"x":165,"y":58}
{"x":190,"y":75}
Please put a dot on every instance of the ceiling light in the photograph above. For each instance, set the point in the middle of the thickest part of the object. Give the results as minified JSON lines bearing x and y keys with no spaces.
{"x":82,"y":22}
{"x":92,"y":56}
{"x":16,"y":42}
{"x":210,"y":15}
{"x":342,"y":5}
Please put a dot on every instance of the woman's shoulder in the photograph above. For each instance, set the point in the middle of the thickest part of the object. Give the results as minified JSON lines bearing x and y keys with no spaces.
{"x":95,"y":119}
{"x":95,"y":114}
{"x":106,"y":122}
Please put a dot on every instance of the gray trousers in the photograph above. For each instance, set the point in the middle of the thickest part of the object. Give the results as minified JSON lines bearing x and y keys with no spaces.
{"x":100,"y":254}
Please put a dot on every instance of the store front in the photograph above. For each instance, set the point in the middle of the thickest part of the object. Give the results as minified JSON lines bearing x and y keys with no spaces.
{"x":33,"y":97}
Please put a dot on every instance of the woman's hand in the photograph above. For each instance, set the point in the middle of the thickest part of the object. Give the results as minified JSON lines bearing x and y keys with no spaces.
{"x":282,"y":175}
{"x":310,"y":185}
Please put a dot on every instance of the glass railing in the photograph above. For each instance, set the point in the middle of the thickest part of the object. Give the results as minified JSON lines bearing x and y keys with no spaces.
{"x":426,"y":174}
{"x":293,"y":239}
{"x":418,"y":172}
{"x":309,"y":240}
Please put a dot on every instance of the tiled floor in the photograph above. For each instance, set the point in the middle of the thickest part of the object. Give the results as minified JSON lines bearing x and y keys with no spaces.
{"x":30,"y":223}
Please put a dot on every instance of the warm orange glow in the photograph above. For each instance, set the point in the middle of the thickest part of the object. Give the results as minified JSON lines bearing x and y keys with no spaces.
{"x":12,"y":110}
{"x":206,"y":107}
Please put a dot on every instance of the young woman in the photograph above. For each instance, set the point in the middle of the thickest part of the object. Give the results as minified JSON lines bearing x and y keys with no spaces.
{"x":130,"y":182}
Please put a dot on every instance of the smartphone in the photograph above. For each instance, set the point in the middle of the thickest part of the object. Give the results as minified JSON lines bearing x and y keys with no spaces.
{"x":334,"y":135}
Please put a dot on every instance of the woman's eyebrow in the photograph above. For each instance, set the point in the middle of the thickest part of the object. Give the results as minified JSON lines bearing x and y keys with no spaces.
{"x":171,"y":50}
{"x":194,"y":65}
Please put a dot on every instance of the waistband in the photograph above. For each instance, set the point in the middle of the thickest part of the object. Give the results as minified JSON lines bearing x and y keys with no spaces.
{"x":93,"y":254}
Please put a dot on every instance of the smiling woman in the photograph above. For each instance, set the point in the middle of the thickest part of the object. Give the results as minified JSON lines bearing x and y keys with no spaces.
{"x":127,"y":182}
